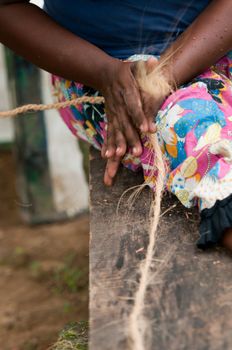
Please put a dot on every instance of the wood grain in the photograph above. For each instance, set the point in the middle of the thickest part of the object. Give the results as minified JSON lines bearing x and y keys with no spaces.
{"x":189,"y":301}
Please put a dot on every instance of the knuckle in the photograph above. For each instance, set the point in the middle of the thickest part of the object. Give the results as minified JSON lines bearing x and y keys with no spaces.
{"x":133,"y":105}
{"x":110,"y":134}
{"x":110,"y":140}
{"x":123,"y":126}
{"x":150,"y":113}
{"x":136,"y":113}
{"x":132,"y":136}
{"x":118,"y":135}
{"x":122,"y":144}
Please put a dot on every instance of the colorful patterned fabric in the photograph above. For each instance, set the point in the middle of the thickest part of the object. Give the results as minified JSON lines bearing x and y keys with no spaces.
{"x":194,"y":129}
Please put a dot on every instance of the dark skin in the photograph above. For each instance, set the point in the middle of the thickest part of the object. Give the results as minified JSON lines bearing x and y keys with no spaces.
{"x":28,"y":31}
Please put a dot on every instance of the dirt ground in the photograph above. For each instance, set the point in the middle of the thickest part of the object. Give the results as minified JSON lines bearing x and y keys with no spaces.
{"x":43,"y":273}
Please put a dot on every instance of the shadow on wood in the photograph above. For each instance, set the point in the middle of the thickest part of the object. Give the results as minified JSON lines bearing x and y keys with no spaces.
{"x":189,"y":301}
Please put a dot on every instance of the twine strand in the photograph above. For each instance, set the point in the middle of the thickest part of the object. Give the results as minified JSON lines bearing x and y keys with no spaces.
{"x":139,"y":327}
{"x":57,"y":105}
{"x":138,"y":324}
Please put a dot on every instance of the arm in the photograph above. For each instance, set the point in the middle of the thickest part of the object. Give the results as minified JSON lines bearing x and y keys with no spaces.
{"x":31,"y":33}
{"x":206,"y":40}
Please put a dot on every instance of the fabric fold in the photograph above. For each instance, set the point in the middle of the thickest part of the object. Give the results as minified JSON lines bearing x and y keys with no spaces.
{"x":214,"y":222}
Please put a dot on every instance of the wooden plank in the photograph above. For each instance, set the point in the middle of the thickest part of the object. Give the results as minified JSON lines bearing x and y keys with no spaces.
{"x":190,"y":301}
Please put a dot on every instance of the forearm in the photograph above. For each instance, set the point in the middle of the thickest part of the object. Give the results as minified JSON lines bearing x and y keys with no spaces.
{"x":31,"y":33}
{"x":201,"y":45}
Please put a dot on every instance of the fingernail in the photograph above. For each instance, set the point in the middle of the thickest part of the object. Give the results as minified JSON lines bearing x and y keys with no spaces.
{"x":135,"y":150}
{"x":142,"y":128}
{"x":107,"y":153}
{"x":153,"y":126}
{"x":118,"y":150}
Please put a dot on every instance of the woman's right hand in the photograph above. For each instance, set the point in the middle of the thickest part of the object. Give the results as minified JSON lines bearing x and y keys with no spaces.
{"x":124,"y":110}
{"x":126,"y":114}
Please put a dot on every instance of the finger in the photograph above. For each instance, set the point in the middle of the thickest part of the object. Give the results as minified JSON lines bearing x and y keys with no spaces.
{"x":133,"y":140}
{"x":123,"y":133}
{"x":152,"y":128}
{"x":151,"y":115}
{"x":111,"y":170}
{"x":134,"y":108}
{"x":151,"y":107}
{"x":120,"y":141}
{"x":110,"y":141}
{"x":129,"y":132}
{"x":154,"y":106}
{"x":112,"y":166}
{"x":103,"y":149}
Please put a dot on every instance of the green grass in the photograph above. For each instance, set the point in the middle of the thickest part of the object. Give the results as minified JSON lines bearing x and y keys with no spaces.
{"x":18,"y":258}
{"x":69,"y":277}
{"x":73,"y":337}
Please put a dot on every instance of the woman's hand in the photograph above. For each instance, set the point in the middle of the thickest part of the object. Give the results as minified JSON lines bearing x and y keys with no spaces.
{"x":124,"y":109}
{"x":129,"y":111}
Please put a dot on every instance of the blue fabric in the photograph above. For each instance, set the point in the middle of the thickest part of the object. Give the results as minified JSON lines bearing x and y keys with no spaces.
{"x":126,"y":27}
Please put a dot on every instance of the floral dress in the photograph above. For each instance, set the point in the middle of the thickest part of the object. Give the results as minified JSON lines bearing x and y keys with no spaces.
{"x":195,"y":134}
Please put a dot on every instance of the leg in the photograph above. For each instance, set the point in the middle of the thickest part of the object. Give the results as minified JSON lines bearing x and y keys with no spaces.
{"x":227,"y":239}
{"x":194,"y":127}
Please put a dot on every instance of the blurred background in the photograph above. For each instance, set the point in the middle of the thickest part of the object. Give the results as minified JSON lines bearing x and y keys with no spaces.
{"x":43,"y":215}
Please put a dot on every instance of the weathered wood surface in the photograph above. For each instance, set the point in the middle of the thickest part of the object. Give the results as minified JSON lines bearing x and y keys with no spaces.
{"x":190,"y":301}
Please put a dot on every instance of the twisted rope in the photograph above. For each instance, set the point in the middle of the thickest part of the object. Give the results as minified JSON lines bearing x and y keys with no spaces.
{"x":58,"y":105}
{"x":138,"y":324}
{"x":139,"y":327}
